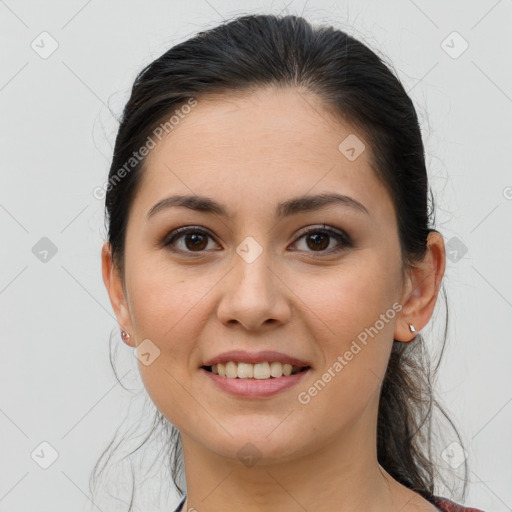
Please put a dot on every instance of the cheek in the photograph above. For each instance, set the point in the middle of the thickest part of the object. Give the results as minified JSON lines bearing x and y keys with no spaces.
{"x":170,"y":308}
{"x":162,"y":299}
{"x":352,"y":297}
{"x":166,"y":309}
{"x":353,"y":315}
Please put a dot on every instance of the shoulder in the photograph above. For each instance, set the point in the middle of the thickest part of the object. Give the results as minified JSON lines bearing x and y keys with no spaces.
{"x":450,"y":506}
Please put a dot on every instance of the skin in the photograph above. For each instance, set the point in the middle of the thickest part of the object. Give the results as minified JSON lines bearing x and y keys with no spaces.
{"x":251,"y":151}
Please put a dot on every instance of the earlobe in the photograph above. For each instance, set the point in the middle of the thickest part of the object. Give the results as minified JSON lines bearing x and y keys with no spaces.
{"x":115,"y":289}
{"x":126,"y":337}
{"x":422,"y":289}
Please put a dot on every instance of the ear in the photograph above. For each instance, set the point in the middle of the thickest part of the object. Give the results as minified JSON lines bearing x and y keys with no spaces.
{"x":421,"y":289}
{"x":115,"y":288}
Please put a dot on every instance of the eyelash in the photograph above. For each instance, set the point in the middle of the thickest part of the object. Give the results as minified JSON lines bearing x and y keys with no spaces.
{"x":340,"y":237}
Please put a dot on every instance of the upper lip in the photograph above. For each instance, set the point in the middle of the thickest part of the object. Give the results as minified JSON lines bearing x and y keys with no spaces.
{"x":255,"y":357}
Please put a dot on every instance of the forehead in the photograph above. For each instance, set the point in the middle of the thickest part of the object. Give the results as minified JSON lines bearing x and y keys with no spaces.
{"x":264,"y":124}
{"x":260,"y":145}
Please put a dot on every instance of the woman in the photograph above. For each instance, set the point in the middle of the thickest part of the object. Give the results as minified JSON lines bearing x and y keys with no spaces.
{"x":271,"y":259}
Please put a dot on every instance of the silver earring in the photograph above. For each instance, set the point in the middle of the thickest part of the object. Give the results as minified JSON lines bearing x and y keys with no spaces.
{"x":125,"y":335}
{"x":411,"y":327}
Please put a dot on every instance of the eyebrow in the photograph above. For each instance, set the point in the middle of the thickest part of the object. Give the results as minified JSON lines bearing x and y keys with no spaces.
{"x":287,"y":208}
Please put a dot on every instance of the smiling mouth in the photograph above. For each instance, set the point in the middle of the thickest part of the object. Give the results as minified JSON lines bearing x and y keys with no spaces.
{"x":258,"y":371}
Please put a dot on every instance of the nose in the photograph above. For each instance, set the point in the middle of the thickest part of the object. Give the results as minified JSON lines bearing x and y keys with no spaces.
{"x":253,"y":295}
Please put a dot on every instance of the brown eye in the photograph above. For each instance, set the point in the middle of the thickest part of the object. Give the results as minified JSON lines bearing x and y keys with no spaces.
{"x":319,"y":240}
{"x":196,"y":241}
{"x":188,"y":240}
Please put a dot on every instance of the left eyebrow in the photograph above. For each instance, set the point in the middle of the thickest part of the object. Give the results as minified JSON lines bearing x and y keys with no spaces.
{"x":310,"y":203}
{"x":287,"y":208}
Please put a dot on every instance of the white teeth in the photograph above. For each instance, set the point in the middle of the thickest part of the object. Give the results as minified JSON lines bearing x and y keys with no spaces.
{"x":231,"y":370}
{"x":245,"y":371}
{"x":260,"y":371}
{"x":276,"y":369}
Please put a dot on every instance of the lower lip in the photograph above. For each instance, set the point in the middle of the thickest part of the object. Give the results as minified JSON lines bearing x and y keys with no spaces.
{"x":255,"y":388}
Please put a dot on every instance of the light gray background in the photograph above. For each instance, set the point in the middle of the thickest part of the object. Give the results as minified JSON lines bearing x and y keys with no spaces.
{"x":57,"y":134}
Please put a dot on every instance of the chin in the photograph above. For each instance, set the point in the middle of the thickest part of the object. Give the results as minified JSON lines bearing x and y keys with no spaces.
{"x":252,"y":443}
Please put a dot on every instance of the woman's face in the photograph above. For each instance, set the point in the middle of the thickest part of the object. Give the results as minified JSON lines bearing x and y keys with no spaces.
{"x":252,"y":280}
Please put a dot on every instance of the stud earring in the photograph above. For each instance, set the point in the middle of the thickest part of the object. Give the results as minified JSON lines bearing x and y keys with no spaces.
{"x":125,"y":335}
{"x":411,"y":327}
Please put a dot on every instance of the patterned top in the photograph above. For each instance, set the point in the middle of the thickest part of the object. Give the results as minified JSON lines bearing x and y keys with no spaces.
{"x":450,"y":506}
{"x":442,"y":504}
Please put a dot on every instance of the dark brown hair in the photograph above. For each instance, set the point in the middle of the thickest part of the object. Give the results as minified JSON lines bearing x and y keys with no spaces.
{"x":356,"y":85}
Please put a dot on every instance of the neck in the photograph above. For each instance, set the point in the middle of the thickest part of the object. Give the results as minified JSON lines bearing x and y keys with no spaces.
{"x":342,"y":476}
